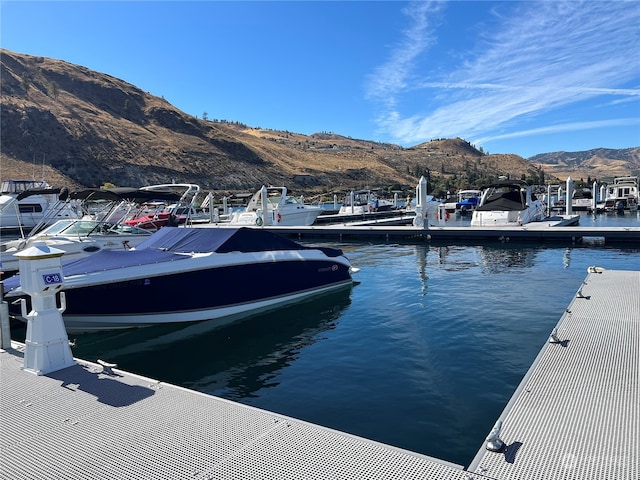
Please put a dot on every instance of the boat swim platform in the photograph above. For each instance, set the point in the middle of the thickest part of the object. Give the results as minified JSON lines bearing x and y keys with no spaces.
{"x":575,"y":415}
{"x":561,"y":229}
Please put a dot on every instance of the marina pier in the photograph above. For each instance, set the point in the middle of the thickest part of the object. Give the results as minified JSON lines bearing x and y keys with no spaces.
{"x":574,"y":416}
{"x":556,"y":229}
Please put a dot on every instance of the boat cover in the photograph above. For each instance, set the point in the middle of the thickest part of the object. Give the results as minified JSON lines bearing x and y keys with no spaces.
{"x":124,"y":193}
{"x":220,"y":240}
{"x":105,"y":260}
{"x":510,"y":201}
{"x":171,"y":243}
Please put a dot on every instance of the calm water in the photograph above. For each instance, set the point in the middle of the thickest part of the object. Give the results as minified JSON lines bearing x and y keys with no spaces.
{"x":423,"y":353}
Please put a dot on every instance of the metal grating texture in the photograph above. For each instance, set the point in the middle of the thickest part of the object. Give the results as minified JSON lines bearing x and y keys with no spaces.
{"x":81,"y":423}
{"x":576,"y":414}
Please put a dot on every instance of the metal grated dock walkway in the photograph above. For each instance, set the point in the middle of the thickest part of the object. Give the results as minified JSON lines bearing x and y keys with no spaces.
{"x":80,"y":423}
{"x":576,"y":414}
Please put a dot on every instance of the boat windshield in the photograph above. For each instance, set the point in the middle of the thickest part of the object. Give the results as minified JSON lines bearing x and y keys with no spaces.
{"x":84,"y":228}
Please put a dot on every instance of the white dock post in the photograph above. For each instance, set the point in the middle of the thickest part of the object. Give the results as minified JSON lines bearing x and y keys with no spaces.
{"x":47,"y":344}
{"x":209,"y":204}
{"x":5,"y":329}
{"x":594,"y":195}
{"x":421,"y":203}
{"x":265,"y":204}
{"x":560,"y":193}
{"x":569,"y":202}
{"x":352,"y":196}
{"x":335,"y":202}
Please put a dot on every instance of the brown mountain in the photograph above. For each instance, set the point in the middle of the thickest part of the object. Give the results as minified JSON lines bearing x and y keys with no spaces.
{"x":602,"y":164}
{"x":76,"y":127}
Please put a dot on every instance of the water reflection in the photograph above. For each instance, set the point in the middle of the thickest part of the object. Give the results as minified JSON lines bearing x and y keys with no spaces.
{"x":504,"y":257}
{"x":493,"y":258}
{"x":234,"y":361}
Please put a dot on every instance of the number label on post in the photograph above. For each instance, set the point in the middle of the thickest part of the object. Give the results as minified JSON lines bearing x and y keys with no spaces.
{"x":52,"y":278}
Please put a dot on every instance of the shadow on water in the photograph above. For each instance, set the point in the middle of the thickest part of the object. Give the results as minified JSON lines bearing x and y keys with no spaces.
{"x":233,"y":361}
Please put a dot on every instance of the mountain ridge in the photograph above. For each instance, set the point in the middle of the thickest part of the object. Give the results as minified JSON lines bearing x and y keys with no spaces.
{"x":82,"y":128}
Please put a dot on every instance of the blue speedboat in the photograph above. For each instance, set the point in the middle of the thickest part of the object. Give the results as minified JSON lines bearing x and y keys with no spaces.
{"x":192,"y":274}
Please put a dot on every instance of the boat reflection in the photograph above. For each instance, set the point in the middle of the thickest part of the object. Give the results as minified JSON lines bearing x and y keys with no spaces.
{"x":494,"y":258}
{"x":233,"y":362}
{"x":507,"y":256}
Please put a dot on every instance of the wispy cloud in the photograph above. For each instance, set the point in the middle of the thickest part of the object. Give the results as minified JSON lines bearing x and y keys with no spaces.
{"x":391,"y":78}
{"x":565,"y":127}
{"x":537,"y":58}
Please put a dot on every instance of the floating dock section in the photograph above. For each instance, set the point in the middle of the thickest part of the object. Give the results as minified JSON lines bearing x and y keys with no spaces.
{"x":86,"y":421}
{"x":557,"y":229}
{"x":575,"y":415}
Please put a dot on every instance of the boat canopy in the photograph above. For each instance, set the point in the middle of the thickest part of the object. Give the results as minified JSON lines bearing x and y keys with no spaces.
{"x":136,"y":195}
{"x":219,"y":240}
{"x":63,"y":192}
{"x":504,"y":196}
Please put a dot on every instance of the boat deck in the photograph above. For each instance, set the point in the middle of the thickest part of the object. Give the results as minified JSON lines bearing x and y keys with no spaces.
{"x":575,"y":415}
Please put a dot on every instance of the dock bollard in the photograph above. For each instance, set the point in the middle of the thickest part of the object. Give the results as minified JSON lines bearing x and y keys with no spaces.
{"x":47,"y":344}
{"x":494,"y":443}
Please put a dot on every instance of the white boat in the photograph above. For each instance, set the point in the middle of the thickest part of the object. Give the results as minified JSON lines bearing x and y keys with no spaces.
{"x":274,"y":206}
{"x":508,"y":203}
{"x":582,"y":199}
{"x":450,"y":202}
{"x":362,"y":202}
{"x":193,"y":274}
{"x":26,"y":203}
{"x":101,"y":228}
{"x":618,"y":194}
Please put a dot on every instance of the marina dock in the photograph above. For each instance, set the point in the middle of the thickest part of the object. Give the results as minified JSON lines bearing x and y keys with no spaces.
{"x":86,"y":421}
{"x":575,"y":415}
{"x":555,"y":229}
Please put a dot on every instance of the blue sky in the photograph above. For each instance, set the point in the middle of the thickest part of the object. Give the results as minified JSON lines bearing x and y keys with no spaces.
{"x":522,"y":77}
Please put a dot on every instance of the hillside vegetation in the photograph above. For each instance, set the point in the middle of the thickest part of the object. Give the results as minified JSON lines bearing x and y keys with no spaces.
{"x":76,"y":127}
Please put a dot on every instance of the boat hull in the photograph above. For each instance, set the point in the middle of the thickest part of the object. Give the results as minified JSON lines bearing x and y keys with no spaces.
{"x":506,"y":218}
{"x":86,"y":323}
{"x":302,"y":216}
